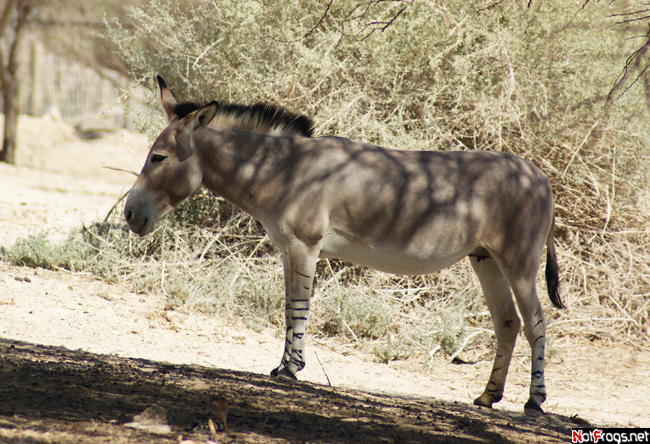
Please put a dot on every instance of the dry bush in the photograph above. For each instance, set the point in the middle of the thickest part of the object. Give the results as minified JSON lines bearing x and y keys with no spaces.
{"x":530,"y":81}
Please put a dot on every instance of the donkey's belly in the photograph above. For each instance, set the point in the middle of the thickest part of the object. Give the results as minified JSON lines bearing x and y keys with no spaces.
{"x":391,"y":258}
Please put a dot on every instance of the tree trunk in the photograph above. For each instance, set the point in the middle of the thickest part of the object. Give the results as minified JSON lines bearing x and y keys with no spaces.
{"x":8,"y":78}
{"x":10,"y":96}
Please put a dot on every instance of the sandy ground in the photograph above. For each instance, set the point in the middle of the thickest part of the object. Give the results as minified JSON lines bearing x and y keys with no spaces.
{"x":61,"y":180}
{"x":59,"y":183}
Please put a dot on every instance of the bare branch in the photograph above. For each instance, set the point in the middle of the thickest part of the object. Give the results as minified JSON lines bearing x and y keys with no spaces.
{"x":629,"y":13}
{"x":311,"y":31}
{"x":632,"y":20}
{"x":492,"y":6}
{"x":642,"y":15}
{"x":356,"y":15}
{"x":375,"y":25}
{"x":633,"y":61}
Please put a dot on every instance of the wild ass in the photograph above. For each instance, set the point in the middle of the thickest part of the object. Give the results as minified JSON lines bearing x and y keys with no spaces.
{"x":406,"y":212}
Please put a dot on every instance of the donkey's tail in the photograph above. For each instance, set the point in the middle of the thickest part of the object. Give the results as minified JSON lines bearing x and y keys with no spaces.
{"x":552,"y":275}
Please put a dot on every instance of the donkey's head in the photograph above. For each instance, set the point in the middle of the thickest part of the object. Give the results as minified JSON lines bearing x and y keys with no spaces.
{"x":173,"y":169}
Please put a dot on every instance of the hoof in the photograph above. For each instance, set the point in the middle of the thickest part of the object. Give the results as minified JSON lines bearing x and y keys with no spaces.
{"x":275,"y":372}
{"x":283,"y":373}
{"x":483,"y":401}
{"x":532,"y":409}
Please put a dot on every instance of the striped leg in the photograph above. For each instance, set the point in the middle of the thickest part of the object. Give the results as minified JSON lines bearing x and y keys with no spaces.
{"x":521,"y":276}
{"x":506,"y":326}
{"x":299,"y":268}
{"x":287,"y":318}
{"x":535,"y":331}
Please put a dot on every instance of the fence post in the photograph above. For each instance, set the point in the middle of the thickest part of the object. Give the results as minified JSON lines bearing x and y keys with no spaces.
{"x":38,"y":78}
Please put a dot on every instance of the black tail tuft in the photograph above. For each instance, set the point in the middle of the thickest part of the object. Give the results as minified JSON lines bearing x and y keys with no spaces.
{"x":552,"y":274}
{"x":553,"y":282}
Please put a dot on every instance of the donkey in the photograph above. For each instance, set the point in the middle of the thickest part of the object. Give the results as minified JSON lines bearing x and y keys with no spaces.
{"x":405,"y":212}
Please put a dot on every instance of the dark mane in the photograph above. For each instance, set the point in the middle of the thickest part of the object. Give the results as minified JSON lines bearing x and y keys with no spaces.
{"x":258,"y":118}
{"x":182,"y":109}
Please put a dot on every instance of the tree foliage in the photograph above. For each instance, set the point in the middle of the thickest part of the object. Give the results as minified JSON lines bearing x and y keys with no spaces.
{"x":540,"y":79}
{"x":533,"y":81}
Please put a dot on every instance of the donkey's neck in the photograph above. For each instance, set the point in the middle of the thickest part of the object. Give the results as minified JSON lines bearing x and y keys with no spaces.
{"x":236,"y":164}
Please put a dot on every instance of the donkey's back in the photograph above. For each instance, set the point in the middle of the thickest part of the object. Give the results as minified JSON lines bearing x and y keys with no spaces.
{"x":407,"y":212}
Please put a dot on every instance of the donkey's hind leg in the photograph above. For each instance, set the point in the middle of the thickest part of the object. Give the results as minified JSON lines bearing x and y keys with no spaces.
{"x":535,"y":331}
{"x":506,"y":325}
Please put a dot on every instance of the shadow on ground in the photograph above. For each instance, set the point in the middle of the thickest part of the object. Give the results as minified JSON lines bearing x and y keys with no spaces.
{"x":52,"y":394}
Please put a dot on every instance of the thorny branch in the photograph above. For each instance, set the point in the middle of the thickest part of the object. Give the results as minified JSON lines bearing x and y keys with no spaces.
{"x":361,"y":11}
{"x":498,"y":2}
{"x":633,"y":62}
{"x":491,"y":6}
{"x":357,"y":15}
{"x":638,"y":61}
{"x":311,"y":31}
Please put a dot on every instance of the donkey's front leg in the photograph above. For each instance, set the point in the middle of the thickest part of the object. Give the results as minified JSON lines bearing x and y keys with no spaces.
{"x":287,"y":318}
{"x":299,"y":267}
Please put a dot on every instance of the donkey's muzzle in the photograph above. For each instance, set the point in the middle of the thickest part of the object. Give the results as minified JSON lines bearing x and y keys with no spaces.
{"x":138,"y":214}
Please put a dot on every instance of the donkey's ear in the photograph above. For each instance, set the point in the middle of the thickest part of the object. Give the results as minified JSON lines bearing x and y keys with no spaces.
{"x":195,"y":121}
{"x":167,"y":99}
{"x":202,"y":117}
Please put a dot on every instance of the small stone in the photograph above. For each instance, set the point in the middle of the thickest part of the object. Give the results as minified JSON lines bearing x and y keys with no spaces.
{"x":153,"y":419}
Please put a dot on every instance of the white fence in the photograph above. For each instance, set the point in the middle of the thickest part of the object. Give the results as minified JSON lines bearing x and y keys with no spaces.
{"x":48,"y":80}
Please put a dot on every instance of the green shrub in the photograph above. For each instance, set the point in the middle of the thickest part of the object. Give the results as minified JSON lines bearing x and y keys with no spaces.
{"x":357,"y":315}
{"x":38,"y":251}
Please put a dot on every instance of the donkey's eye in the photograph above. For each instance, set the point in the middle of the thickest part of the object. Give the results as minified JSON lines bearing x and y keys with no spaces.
{"x":156,"y":158}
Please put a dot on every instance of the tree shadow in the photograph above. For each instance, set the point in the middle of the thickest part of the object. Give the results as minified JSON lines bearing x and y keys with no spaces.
{"x":76,"y":386}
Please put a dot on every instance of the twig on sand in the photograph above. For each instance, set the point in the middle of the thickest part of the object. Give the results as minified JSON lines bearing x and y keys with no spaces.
{"x":116,"y":204}
{"x":108,"y":167}
{"x":321,"y":366}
